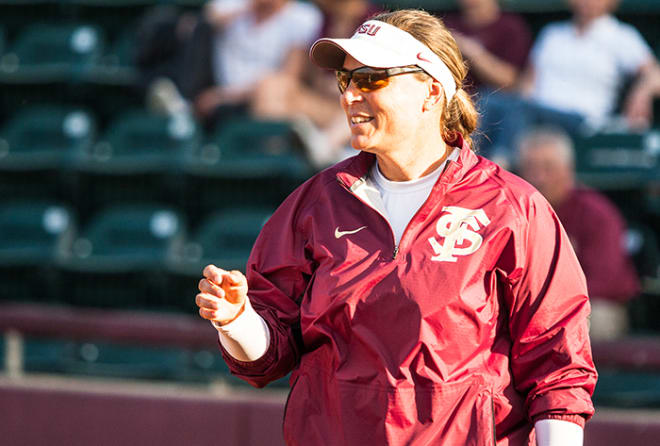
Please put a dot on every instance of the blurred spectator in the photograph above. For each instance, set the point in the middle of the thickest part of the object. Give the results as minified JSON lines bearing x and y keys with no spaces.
{"x":495,"y":45}
{"x":579,"y":67}
{"x":250,"y":42}
{"x":162,"y":38}
{"x":316,"y":109}
{"x":594,"y":226}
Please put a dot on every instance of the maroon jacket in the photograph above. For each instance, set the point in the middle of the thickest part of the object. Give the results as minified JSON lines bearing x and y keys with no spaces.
{"x":473,"y":326}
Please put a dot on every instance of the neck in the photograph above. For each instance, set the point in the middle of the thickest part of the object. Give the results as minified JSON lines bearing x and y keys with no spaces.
{"x":582,"y":23}
{"x":412,"y":164}
{"x":262,"y":14}
{"x":482,"y":14}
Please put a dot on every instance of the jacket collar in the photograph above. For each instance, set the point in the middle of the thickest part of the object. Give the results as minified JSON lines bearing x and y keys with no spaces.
{"x":355,"y":170}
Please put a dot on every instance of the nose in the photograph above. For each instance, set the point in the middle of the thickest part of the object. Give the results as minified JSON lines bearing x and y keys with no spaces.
{"x":351,"y":95}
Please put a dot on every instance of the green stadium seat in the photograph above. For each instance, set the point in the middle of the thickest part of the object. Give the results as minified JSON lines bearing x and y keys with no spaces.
{"x":639,"y":6}
{"x":627,"y":389}
{"x":51,"y":53}
{"x":643,"y":247}
{"x":44,"y":137}
{"x":103,"y":359}
{"x":618,"y":160}
{"x":138,"y":141}
{"x":225,"y":238}
{"x":113,"y":360}
{"x":116,"y":66}
{"x":249,"y":148}
{"x":46,"y":355}
{"x":125,"y":237}
{"x":31,"y":233}
{"x":118,"y":259}
{"x":134,"y":160}
{"x":3,"y":40}
{"x":36,"y":144}
{"x":252,"y":161}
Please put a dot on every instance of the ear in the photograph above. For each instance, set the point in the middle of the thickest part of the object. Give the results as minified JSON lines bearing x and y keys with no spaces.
{"x":435,"y":96}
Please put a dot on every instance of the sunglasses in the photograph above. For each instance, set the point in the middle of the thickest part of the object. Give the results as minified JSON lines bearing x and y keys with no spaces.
{"x":368,"y":79}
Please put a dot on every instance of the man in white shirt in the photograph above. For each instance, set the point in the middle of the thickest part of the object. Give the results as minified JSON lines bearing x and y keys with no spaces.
{"x":254,"y":40}
{"x":580,"y":66}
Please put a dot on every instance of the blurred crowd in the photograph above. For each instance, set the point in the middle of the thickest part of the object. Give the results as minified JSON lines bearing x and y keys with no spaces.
{"x":587,"y":74}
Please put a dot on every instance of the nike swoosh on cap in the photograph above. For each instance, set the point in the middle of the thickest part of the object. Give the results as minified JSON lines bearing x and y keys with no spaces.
{"x":339,"y":234}
{"x":422,"y":58}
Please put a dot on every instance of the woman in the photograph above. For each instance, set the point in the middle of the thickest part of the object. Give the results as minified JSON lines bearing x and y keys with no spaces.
{"x":419,"y":294}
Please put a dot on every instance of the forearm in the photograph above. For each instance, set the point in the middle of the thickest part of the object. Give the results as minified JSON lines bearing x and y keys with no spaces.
{"x":247,"y":337}
{"x":649,"y":79}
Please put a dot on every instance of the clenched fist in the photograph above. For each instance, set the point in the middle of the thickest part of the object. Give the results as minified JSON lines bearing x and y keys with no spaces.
{"x":222,"y":295}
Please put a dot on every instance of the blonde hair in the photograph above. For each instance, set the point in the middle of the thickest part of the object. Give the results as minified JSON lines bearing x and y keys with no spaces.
{"x":460,"y":114}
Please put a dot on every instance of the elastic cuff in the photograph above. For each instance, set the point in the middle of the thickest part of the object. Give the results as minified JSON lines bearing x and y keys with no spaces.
{"x":577,"y":419}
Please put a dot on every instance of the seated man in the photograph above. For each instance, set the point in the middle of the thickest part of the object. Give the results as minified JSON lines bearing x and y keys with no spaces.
{"x":578,"y":68}
{"x":594,"y":226}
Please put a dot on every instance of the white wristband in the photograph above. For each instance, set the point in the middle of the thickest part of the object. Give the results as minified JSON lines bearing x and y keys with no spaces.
{"x":247,"y":337}
{"x":558,"y":433}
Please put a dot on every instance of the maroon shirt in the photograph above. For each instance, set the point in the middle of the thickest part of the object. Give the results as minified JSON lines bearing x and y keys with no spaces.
{"x":508,"y":38}
{"x":596,"y":230}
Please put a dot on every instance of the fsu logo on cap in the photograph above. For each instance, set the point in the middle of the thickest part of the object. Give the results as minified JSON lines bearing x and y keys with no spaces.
{"x":368,"y":29}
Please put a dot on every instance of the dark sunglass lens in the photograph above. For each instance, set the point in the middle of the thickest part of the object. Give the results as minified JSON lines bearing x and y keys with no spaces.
{"x":370,"y":80}
{"x":343,"y":78}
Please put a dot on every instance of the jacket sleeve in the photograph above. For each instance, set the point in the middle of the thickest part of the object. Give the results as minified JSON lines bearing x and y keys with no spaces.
{"x":278,"y":272}
{"x":548,"y":321}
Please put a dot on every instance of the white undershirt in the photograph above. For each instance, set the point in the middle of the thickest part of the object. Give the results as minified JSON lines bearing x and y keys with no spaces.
{"x":247,"y":338}
{"x":402,"y":199}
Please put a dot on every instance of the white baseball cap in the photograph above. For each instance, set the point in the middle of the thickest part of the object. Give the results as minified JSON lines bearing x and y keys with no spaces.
{"x":378,"y":44}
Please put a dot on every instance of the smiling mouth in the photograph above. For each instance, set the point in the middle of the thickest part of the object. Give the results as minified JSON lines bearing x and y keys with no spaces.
{"x":360,"y":119}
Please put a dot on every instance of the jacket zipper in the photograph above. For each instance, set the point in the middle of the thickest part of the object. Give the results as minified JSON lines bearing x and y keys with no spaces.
{"x":395,"y":251}
{"x":492,"y":414}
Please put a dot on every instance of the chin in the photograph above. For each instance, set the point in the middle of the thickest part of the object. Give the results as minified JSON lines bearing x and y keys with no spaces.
{"x":361,"y":143}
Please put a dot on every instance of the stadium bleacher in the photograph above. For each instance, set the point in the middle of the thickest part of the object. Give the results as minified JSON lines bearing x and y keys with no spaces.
{"x":105,"y":206}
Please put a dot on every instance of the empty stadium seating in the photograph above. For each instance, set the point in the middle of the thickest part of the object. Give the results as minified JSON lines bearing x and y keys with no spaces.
{"x":47,"y":53}
{"x":249,"y":161}
{"x":136,"y":158}
{"x":618,"y":160}
{"x":36,"y":144}
{"x":116,"y":261}
{"x":31,"y":232}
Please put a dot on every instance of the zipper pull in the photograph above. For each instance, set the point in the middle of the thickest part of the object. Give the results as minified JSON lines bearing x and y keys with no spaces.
{"x":396,"y":251}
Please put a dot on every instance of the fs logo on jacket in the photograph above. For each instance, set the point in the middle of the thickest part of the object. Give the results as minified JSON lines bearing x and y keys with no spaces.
{"x":457,"y":227}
